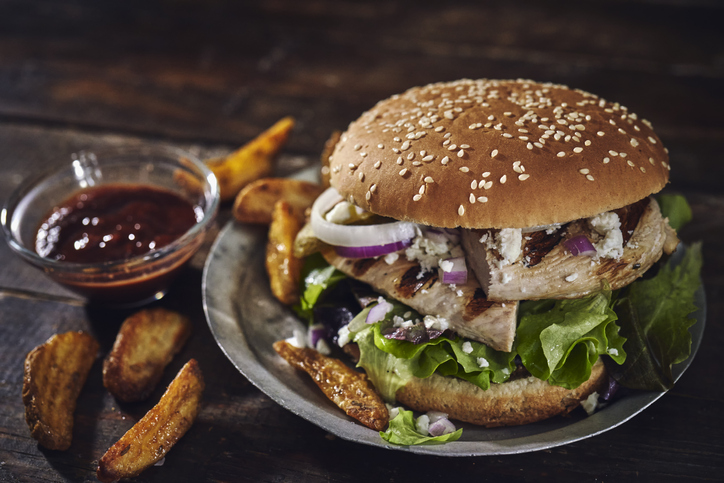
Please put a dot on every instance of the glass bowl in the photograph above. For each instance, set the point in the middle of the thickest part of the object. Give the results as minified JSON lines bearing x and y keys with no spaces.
{"x":130,"y":281}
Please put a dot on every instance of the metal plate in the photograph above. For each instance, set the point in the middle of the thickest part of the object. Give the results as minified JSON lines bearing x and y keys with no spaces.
{"x":245,"y":320}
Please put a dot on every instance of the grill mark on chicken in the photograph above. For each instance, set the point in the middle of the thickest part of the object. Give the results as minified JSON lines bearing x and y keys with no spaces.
{"x":412,"y":282}
{"x":360,"y":266}
{"x":539,"y":245}
{"x":477,"y":305}
{"x":629,"y":217}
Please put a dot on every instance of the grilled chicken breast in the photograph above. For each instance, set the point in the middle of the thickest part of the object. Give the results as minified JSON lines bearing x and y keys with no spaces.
{"x":465,"y":307}
{"x":546,"y":269}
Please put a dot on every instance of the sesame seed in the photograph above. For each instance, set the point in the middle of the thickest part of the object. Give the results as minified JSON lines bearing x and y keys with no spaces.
{"x":587,"y":143}
{"x":421,"y":190}
{"x":634,"y":142}
{"x":601,"y":133}
{"x":461,"y":210}
{"x":411,"y":155}
{"x":589,"y":177}
{"x":578,"y":149}
{"x":613,"y":153}
{"x":561,"y":154}
{"x":651,"y":160}
{"x":446,"y":142}
{"x":483,"y":199}
{"x":538,"y":145}
{"x":523,"y":138}
{"x":491,"y":118}
{"x":361,"y":176}
{"x":439,"y":129}
{"x":474,"y":185}
{"x":623,"y":155}
{"x":643,"y":170}
{"x":621,"y":131}
{"x":373,"y":188}
{"x":378,"y":164}
{"x":445,"y":160}
{"x":494,"y":153}
{"x":523,"y":176}
{"x":352,"y":166}
{"x":507,"y":135}
{"x":357,"y":147}
{"x":405,"y":146}
{"x":428,"y":179}
{"x":416,"y":198}
{"x":529,"y":146}
{"x":403,"y":171}
{"x":461,"y":153}
{"x":368,"y":195}
{"x":416,"y":163}
{"x":472,"y":198}
{"x":583,"y":171}
{"x":606,"y":160}
{"x":381,"y":146}
{"x":399,"y":160}
{"x":652,"y":140}
{"x":486,"y":174}
{"x":488,"y":185}
{"x":464,"y":169}
{"x":630,"y":163}
{"x":503,"y":179}
{"x":429,"y":157}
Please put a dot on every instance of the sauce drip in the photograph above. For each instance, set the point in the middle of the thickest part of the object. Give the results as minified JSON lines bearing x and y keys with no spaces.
{"x":113,"y":222}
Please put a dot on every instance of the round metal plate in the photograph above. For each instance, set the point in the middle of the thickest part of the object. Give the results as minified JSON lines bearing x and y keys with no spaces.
{"x":246,"y":319}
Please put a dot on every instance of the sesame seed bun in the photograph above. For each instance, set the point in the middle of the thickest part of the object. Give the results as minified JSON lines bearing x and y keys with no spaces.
{"x":497,"y":154}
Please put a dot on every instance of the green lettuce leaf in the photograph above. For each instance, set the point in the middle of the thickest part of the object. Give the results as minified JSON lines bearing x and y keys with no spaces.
{"x":317,"y":276}
{"x":403,"y":430}
{"x":559,"y":341}
{"x":391,"y":363}
{"x":655,"y":319}
{"x":676,"y":209}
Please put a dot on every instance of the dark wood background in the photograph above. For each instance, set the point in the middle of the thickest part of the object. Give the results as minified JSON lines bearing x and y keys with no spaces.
{"x":209,"y":75}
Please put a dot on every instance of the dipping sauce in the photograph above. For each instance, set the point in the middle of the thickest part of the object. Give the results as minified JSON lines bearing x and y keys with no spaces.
{"x":114,"y":222}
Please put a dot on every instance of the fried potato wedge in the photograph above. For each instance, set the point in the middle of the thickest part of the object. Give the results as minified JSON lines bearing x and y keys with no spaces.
{"x":256,"y":201}
{"x":350,"y":390}
{"x":306,"y":242}
{"x":327,"y":156}
{"x":55,"y":373}
{"x":283,"y":268}
{"x":145,"y":344}
{"x":155,"y":434}
{"x":252,"y":161}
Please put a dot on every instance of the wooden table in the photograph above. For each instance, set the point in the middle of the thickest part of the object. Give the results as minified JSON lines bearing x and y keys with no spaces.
{"x":208,"y":76}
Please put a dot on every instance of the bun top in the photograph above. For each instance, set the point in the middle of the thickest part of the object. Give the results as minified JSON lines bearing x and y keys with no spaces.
{"x":497,"y":154}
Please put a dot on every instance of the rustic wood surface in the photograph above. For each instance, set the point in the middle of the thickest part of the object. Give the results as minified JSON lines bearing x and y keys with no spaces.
{"x":208,"y":76}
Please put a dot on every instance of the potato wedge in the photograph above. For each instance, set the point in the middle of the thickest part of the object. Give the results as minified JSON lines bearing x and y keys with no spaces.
{"x":55,"y":373}
{"x":155,"y":434}
{"x":255,"y":202}
{"x":327,"y":155}
{"x":283,"y":267}
{"x":348,"y":389}
{"x":306,"y":242}
{"x":145,"y":344}
{"x":252,"y":161}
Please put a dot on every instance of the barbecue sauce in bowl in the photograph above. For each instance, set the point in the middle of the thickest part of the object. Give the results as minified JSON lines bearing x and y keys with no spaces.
{"x":113,"y":222}
{"x":114,"y":233}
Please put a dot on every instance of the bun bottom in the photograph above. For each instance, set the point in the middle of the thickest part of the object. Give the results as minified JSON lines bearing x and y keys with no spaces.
{"x":517,"y":402}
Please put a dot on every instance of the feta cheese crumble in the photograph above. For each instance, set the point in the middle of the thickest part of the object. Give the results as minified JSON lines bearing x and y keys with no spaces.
{"x":467,"y":347}
{"x":483,"y":362}
{"x":608,"y":226}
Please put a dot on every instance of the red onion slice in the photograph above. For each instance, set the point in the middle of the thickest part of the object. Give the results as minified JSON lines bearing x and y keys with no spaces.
{"x":440,"y":427}
{"x":378,"y":312}
{"x":580,"y":245}
{"x":355,"y":235}
{"x":316,"y":332}
{"x":457,"y":273}
{"x":371,"y":251}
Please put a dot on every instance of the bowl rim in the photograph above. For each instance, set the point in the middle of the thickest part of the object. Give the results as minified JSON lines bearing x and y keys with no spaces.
{"x":29,"y":183}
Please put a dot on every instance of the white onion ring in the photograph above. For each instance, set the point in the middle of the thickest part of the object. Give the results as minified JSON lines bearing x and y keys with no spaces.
{"x":355,"y":235}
